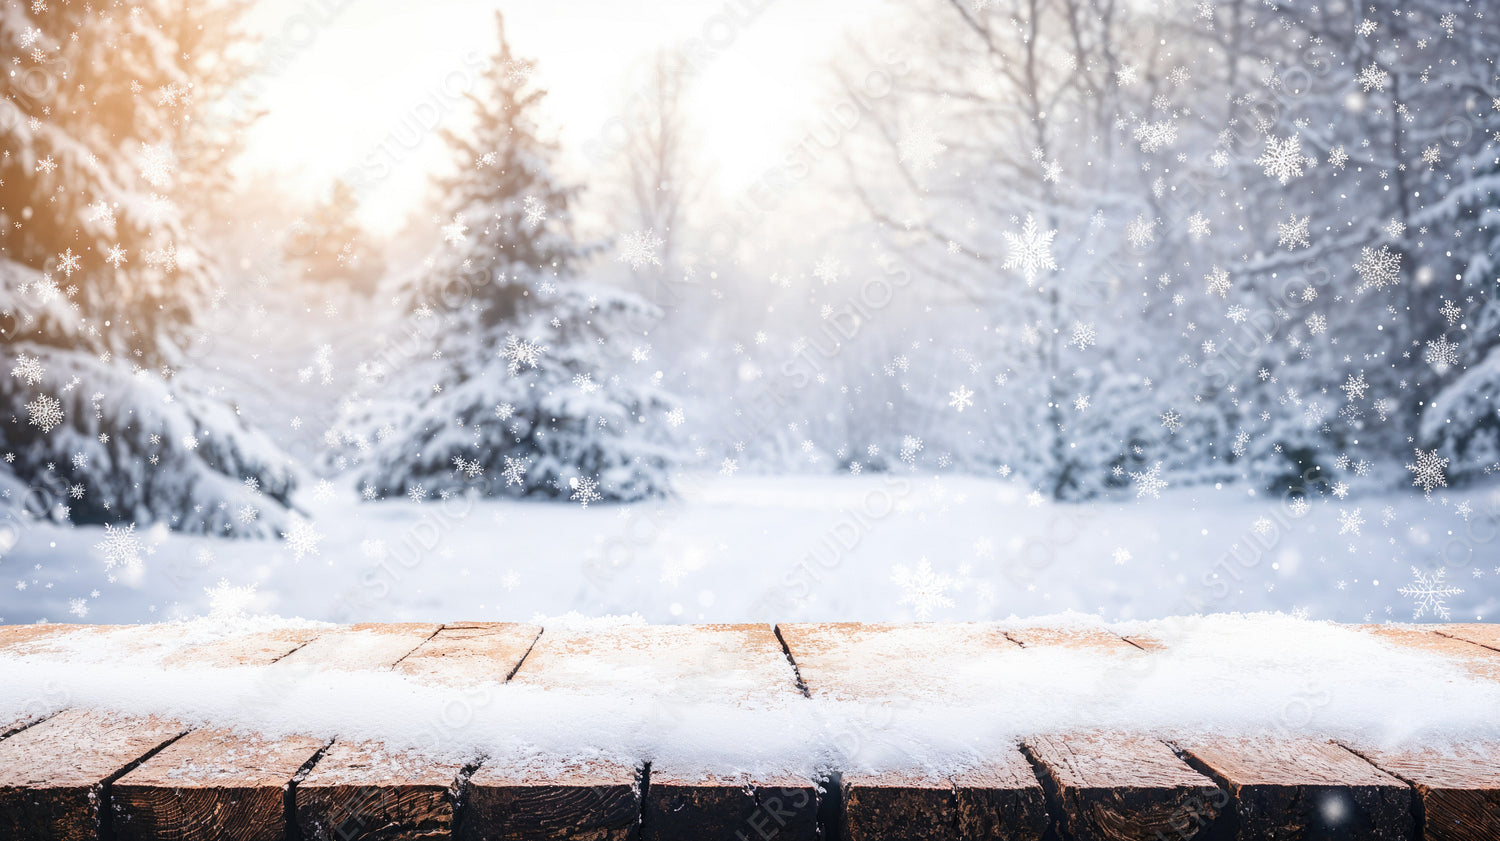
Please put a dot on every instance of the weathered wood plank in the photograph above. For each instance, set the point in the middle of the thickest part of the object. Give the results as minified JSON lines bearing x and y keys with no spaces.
{"x":470,"y":653}
{"x":14,"y":639}
{"x":211,"y":784}
{"x":1000,"y":799}
{"x":359,"y":647}
{"x":732,"y":664}
{"x":882,"y":663}
{"x":1485,"y":634}
{"x":893,"y":804}
{"x":365,"y":790}
{"x":255,"y":649}
{"x":1114,"y":787}
{"x":362,"y":790}
{"x":1459,"y":788}
{"x":683,"y":805}
{"x":54,"y":775}
{"x":1303,"y":788}
{"x":1095,"y":639}
{"x":593,"y":802}
{"x":1476,"y":659}
{"x":215,"y":778}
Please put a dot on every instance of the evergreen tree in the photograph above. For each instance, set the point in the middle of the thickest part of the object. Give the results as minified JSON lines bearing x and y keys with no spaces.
{"x":106,"y":144}
{"x":527,"y":389}
{"x":331,"y":246}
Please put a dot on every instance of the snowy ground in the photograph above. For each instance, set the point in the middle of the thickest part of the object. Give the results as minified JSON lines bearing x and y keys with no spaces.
{"x":802,"y":548}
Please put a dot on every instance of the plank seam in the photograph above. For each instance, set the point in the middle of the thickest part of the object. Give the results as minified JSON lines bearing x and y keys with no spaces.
{"x":529,"y":649}
{"x":1418,"y":807}
{"x":1051,"y":792}
{"x":414,"y":648}
{"x":460,"y":789}
{"x":106,"y":795}
{"x":289,"y":797}
{"x":645,"y":788}
{"x":831,"y":810}
{"x":786,"y":651}
{"x":26,"y":724}
{"x":1467,"y":640}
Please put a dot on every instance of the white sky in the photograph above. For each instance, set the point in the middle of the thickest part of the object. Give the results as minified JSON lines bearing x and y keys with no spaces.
{"x":359,"y":80}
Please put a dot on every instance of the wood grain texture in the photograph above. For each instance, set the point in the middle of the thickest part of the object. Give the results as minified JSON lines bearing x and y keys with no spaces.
{"x":1001,"y":800}
{"x":261,"y":648}
{"x":1087,"y":639}
{"x":1487,"y":635}
{"x":1114,"y":787}
{"x":54,"y":775}
{"x":470,"y":653}
{"x":593,"y":802}
{"x":358,"y":647}
{"x":362,"y":790}
{"x":864,"y":660}
{"x":1303,"y":788}
{"x":890,"y":805}
{"x":15,"y":639}
{"x":1459,"y":788}
{"x":720,"y":663}
{"x":211,"y":784}
{"x":1475,"y":659}
{"x":711,"y":807}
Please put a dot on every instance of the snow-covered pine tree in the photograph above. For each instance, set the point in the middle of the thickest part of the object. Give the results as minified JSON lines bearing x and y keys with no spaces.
{"x":100,"y":273}
{"x":529,"y":385}
{"x":330,"y":245}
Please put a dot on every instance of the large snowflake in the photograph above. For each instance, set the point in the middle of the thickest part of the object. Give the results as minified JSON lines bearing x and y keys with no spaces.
{"x":639,"y":249}
{"x":1030,"y":251}
{"x":921,"y":587}
{"x":1428,"y":471}
{"x":1429,"y":593}
{"x":1282,"y":159}
{"x":520,"y":352}
{"x":45,"y":412}
{"x":1149,"y":482}
{"x":120,"y":547}
{"x":1378,"y":268}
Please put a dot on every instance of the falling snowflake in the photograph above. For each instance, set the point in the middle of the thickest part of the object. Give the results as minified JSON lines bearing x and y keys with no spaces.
{"x":78,"y":607}
{"x":1292,"y":234}
{"x":515,"y":471}
{"x":1378,"y":268}
{"x":303,"y":539}
{"x":920,"y":588}
{"x":639,"y":249}
{"x":1372,"y":78}
{"x":1218,"y":282}
{"x":920,"y":147}
{"x":69,"y":262}
{"x":156,"y":165}
{"x":1030,"y":251}
{"x":1441,"y":354}
{"x":1149,"y":482}
{"x":1084,"y":335}
{"x":1350,"y":521}
{"x":455,"y":232}
{"x":28,"y":369}
{"x":1429,"y":593}
{"x":45,"y":412}
{"x":1282,"y":159}
{"x":120,"y":547}
{"x":1141,"y":231}
{"x":227,"y":603}
{"x":585,"y":490}
{"x":961,"y":399}
{"x":520,"y":352}
{"x":533,"y":212}
{"x":1428,"y":471}
{"x":1171,"y":420}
